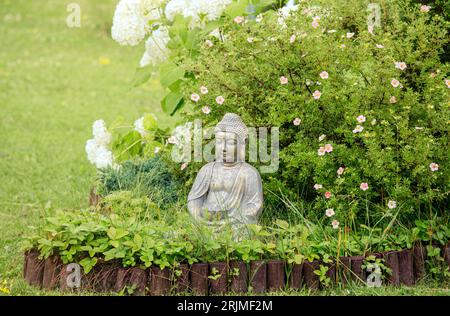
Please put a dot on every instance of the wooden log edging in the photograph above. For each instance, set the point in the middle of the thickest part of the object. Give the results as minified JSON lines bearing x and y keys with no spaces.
{"x":408,"y":267}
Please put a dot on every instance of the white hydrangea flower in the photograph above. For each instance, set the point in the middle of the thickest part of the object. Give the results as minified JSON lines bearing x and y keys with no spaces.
{"x":156,"y":49}
{"x":175,"y":7}
{"x":285,"y":13}
{"x":209,"y":9}
{"x":91,"y":150}
{"x":99,"y":155}
{"x":130,"y":21}
{"x":139,"y":127}
{"x":100,"y":133}
{"x":104,"y":158}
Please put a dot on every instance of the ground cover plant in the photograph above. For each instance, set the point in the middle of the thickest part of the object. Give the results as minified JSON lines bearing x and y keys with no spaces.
{"x":364,"y":138}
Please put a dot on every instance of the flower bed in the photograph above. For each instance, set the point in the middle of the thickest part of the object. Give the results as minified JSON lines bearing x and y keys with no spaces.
{"x":257,"y":277}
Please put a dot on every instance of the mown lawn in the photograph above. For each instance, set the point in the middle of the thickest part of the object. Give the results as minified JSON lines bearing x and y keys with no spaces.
{"x":54,"y":82}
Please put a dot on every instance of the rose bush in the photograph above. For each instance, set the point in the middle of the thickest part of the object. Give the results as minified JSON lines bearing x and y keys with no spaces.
{"x":362,"y":109}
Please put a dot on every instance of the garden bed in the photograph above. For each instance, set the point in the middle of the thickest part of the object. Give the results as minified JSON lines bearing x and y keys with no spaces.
{"x":407,"y":266}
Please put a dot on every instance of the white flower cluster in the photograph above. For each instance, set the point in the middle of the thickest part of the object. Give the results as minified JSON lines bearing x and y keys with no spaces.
{"x":156,"y":47}
{"x":139,"y":127}
{"x":130,"y":22}
{"x":209,"y":9}
{"x":285,"y":12}
{"x":96,"y":149}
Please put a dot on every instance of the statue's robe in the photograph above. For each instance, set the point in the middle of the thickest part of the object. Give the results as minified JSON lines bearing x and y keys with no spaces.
{"x":242,"y":204}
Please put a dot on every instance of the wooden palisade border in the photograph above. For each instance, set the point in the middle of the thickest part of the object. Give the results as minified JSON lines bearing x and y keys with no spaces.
{"x":408,"y":267}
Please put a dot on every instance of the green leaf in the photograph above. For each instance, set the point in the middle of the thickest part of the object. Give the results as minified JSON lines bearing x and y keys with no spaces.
{"x":237,"y":8}
{"x":142,"y":75}
{"x":138,"y":240}
{"x":150,"y":122}
{"x":172,"y":102}
{"x":127,"y":146}
{"x":111,"y":232}
{"x":88,"y":264}
{"x":169,"y":73}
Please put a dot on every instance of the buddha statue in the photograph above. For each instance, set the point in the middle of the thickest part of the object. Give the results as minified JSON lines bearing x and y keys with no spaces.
{"x":227,"y":191}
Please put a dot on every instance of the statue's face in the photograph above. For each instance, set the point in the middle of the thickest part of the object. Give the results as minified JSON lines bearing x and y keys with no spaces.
{"x":226,"y":147}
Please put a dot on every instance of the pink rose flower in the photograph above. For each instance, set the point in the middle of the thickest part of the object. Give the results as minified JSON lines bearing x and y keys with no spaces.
{"x":358,"y":129}
{"x":395,"y":83}
{"x":400,"y":65}
{"x":327,"y":194}
{"x":316,"y":95}
{"x":220,"y":100}
{"x":183,"y":166}
{"x":340,"y":171}
{"x":328,"y":148}
{"x":434,"y":166}
{"x":425,"y":8}
{"x":283,"y":80}
{"x":393,"y":99}
{"x":361,"y":119}
{"x":364,"y":186}
{"x":324,"y":75}
{"x":195,"y":97}
{"x":329,"y":212}
{"x":335,"y":224}
{"x":318,"y":186}
{"x":203,"y":90}
{"x":447,"y":83}
{"x":392,"y":204}
{"x":292,"y":39}
{"x":321,"y":151}
{"x":206,"y":110}
{"x":297,"y":121}
{"x":315,"y":23}
{"x":238,"y":19}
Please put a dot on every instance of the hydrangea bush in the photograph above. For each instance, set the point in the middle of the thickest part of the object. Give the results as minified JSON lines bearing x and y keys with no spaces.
{"x":362,"y":109}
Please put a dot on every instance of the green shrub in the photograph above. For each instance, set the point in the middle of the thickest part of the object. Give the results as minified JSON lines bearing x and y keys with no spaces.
{"x":405,"y":128}
{"x":88,"y":236}
{"x":150,"y":177}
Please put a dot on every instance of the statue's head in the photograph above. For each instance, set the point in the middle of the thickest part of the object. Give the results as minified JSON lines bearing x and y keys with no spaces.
{"x":231,"y":134}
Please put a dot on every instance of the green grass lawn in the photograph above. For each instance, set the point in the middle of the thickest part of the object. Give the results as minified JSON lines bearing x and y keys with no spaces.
{"x":54,"y":82}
